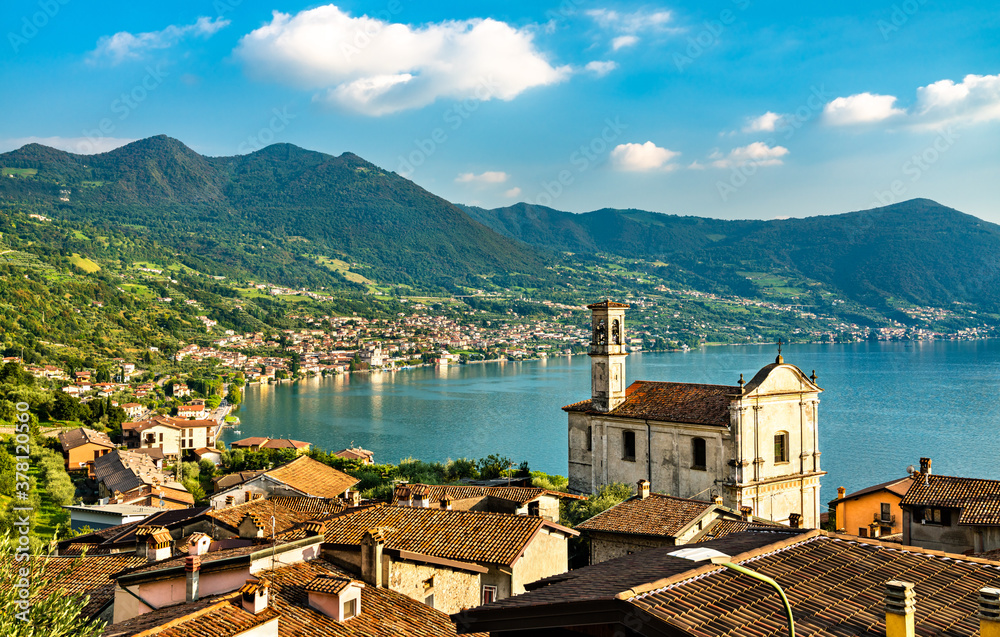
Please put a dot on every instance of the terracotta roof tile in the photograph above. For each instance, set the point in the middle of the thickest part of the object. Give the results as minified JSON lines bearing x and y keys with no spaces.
{"x":898,"y":486}
{"x":517,"y":495}
{"x":383,"y":613}
{"x":672,"y":402}
{"x":978,"y":498}
{"x":313,"y":478}
{"x":284,"y":518}
{"x":835,"y":585}
{"x":82,"y":436}
{"x":660,"y":515}
{"x":491,"y":538}
{"x":91,"y":575}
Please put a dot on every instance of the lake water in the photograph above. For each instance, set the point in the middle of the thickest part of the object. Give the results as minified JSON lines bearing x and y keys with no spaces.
{"x":884,"y":406}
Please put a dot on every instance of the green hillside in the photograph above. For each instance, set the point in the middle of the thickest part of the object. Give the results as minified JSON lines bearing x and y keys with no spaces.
{"x":261,"y":213}
{"x":916,"y":251}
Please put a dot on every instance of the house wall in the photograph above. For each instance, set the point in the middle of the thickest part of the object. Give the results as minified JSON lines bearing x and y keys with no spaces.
{"x":171,"y":443}
{"x":259,"y":485}
{"x":859,"y":512}
{"x":547,"y":554}
{"x":990,"y":537}
{"x":581,"y":476}
{"x":950,"y":538}
{"x":195,"y":438}
{"x":499,"y":576}
{"x":453,"y":590}
{"x":609,"y":546}
{"x":77,"y":458}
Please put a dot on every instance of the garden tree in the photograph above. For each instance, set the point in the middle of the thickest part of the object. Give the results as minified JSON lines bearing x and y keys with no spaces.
{"x":14,"y":374}
{"x":66,"y":407}
{"x":52,"y":612}
{"x":494,"y":466}
{"x":234,"y":395}
{"x":213,"y":401}
{"x":576,"y":511}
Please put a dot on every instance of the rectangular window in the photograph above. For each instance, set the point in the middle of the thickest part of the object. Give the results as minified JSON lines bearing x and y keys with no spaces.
{"x":429,"y":600}
{"x":590,"y":438}
{"x":886,"y":511}
{"x":885,"y":530}
{"x":628,"y":446}
{"x":863,"y":531}
{"x":698,"y":460}
{"x":489,"y":594}
{"x":781,"y":447}
{"x":350,"y":608}
{"x":534,"y":508}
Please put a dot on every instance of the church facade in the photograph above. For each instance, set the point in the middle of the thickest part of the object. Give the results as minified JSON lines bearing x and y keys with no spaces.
{"x":755,"y":444}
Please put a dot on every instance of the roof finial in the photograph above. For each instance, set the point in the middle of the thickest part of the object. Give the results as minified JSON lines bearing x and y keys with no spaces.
{"x":813,"y":377}
{"x":779,"y":360}
{"x":742,"y":382}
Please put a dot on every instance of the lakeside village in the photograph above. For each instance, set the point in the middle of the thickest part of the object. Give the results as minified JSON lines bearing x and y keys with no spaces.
{"x":687,"y":510}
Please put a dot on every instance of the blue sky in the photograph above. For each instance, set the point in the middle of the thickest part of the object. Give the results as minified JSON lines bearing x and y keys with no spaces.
{"x":727,"y":108}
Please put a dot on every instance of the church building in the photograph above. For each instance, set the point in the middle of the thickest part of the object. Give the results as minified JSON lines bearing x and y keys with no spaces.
{"x":755,"y":444}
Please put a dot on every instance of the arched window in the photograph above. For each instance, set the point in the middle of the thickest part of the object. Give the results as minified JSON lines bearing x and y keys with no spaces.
{"x":698,"y":454}
{"x":616,"y":335}
{"x":781,"y":447}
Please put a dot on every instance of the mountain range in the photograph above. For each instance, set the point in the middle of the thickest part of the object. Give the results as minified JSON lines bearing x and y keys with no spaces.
{"x":283,"y":213}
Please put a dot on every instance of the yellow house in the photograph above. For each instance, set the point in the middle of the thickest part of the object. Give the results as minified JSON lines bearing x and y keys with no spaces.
{"x":873,"y":511}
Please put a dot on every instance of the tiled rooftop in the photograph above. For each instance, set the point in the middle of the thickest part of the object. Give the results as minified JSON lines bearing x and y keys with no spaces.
{"x":89,"y":575}
{"x":82,"y":436}
{"x":313,"y":478}
{"x":660,"y":515}
{"x":384,"y":613}
{"x":835,"y":585}
{"x":672,"y":402}
{"x":898,"y":486}
{"x":284,"y":518}
{"x":517,"y":495}
{"x":490,"y":538}
{"x":979,"y":499}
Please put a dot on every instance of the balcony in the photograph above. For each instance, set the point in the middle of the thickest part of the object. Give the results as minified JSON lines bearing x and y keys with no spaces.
{"x":885,"y":520}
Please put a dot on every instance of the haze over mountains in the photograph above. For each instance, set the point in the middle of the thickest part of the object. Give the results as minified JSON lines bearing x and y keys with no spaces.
{"x":276,"y":212}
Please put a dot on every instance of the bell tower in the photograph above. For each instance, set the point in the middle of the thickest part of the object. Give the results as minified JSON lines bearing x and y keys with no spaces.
{"x":607,"y":354}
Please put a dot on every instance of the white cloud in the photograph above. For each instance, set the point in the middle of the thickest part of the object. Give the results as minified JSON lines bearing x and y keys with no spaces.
{"x":631,"y":22}
{"x":628,"y":26}
{"x":642,"y":157}
{"x":513,"y":192}
{"x":375,"y":68}
{"x":974,"y":100}
{"x":863,"y":108}
{"x":124,"y":46}
{"x":78,"y":145}
{"x":623,"y":41}
{"x":766,"y":123}
{"x":600,"y":69}
{"x":758,"y":153}
{"x":488,"y":177}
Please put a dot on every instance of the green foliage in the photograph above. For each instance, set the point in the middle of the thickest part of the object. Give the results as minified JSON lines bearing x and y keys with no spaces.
{"x":52,"y":612}
{"x":494,"y":466}
{"x":544,"y":480}
{"x":234,"y":395}
{"x":574,"y":512}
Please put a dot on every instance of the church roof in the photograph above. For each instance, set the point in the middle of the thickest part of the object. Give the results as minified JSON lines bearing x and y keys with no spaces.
{"x":657,"y":514}
{"x":604,"y":305}
{"x":672,"y":402}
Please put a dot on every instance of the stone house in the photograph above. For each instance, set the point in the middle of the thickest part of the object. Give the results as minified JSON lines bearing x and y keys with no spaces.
{"x":949,"y":513}
{"x":651,"y":520}
{"x":518,"y":500}
{"x":302,"y":476}
{"x":754,"y":443}
{"x":449,"y":559}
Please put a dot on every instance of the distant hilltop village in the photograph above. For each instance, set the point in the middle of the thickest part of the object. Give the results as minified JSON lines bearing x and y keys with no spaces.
{"x":754,"y":444}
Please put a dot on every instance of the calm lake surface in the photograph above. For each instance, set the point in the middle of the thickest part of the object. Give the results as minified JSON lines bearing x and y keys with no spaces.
{"x":884,"y":406}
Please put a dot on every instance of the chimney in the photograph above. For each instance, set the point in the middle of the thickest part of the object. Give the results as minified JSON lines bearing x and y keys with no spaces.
{"x":841,"y":492}
{"x":254,"y":596}
{"x":372,"y":545}
{"x":403,"y":496}
{"x":422,"y":497}
{"x":354,"y":497}
{"x":198,"y":544}
{"x":718,"y":500}
{"x":746,"y":512}
{"x":252,"y":526}
{"x":338,"y":598}
{"x":192,"y":568}
{"x":643,"y":490}
{"x":314,"y":528}
{"x":158,"y":544}
{"x":899,"y":609}
{"x":446,"y":502}
{"x":925,"y":466}
{"x":989,"y":612}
